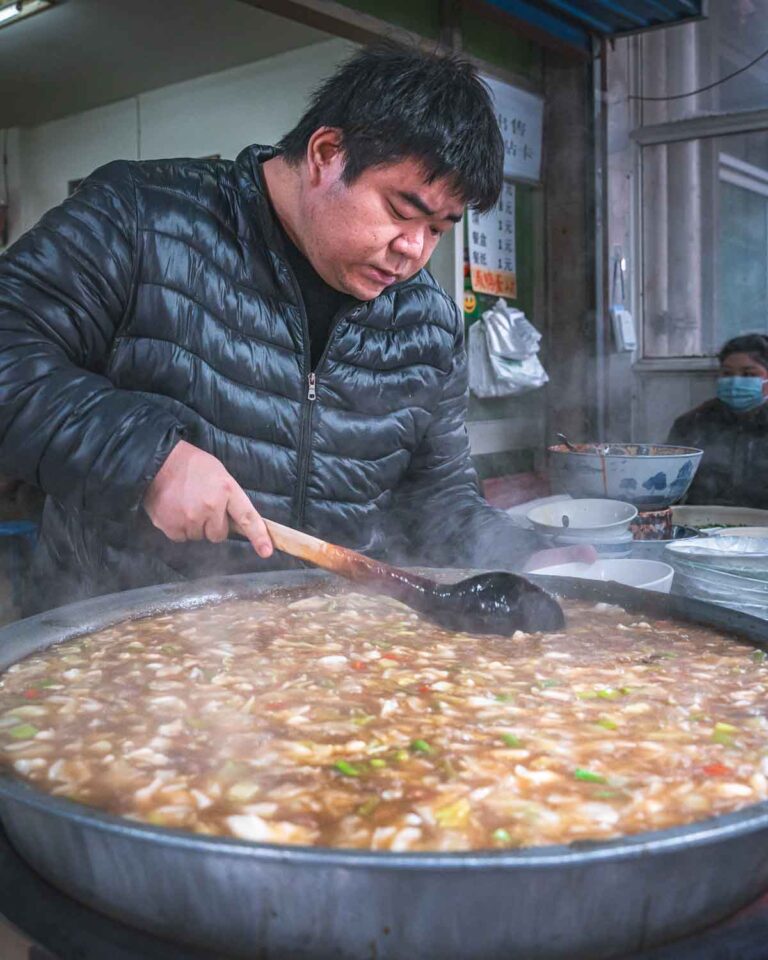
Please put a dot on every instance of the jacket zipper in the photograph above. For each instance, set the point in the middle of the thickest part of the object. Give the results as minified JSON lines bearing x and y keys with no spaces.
{"x":305,"y":444}
{"x":305,"y":433}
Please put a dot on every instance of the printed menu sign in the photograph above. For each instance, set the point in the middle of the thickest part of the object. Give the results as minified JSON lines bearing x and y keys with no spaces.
{"x":492,"y":247}
{"x":520,"y":116}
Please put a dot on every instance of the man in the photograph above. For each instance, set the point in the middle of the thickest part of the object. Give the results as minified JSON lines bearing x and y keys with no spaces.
{"x":189,"y":345}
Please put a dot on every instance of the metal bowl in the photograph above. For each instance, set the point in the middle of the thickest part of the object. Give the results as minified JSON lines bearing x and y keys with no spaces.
{"x":254,"y":900}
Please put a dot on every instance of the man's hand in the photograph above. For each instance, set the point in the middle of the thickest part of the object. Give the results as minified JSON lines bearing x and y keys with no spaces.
{"x":193,"y":497}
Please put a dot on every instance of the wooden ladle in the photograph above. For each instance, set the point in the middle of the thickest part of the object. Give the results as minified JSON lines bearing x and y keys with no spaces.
{"x":498,"y":603}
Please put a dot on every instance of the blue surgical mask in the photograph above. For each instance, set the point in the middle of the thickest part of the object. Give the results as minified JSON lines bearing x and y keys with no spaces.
{"x":741,"y":393}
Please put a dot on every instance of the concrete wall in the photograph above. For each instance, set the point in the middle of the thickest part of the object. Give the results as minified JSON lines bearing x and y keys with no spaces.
{"x":216,"y":114}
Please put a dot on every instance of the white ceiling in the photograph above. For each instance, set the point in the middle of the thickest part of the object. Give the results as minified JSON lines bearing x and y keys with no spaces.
{"x":85,"y":53}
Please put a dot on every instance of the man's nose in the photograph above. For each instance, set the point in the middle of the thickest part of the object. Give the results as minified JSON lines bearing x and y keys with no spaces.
{"x":409,"y":244}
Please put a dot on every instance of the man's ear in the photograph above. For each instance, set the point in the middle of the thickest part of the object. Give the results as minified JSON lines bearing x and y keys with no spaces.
{"x":325,"y":155}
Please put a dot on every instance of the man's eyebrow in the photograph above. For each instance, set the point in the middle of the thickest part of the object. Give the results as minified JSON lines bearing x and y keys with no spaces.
{"x":415,"y":201}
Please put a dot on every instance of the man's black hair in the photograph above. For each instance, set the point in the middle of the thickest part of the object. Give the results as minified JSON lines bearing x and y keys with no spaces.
{"x":755,"y":344}
{"x":392,"y":103}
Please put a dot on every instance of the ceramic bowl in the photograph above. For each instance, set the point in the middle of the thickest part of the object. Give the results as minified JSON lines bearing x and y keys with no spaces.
{"x":650,"y":476}
{"x":583,"y":520}
{"x":746,"y":556}
{"x":647,"y":574}
{"x":758,"y":533}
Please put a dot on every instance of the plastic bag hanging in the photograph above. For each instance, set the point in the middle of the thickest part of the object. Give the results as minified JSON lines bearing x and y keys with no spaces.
{"x":503,"y":349}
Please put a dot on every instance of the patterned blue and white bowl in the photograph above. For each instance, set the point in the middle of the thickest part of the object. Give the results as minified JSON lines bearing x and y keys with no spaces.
{"x":651,"y":476}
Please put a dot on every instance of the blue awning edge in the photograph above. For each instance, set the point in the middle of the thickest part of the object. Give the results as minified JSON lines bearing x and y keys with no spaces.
{"x":573,"y":23}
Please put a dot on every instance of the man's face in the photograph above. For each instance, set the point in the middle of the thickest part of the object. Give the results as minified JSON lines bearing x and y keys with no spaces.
{"x":364,"y":236}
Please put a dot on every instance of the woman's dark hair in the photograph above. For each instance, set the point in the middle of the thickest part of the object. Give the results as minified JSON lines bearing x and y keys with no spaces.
{"x":392,"y":103}
{"x":755,"y":344}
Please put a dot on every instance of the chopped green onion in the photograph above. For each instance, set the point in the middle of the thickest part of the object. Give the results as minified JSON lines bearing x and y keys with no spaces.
{"x":348,"y":769}
{"x":377,"y":762}
{"x":609,"y":694}
{"x":605,"y":794}
{"x":588,"y":776}
{"x":607,"y":723}
{"x":544,"y":684}
{"x":504,"y":697}
{"x":24,"y":731}
{"x":401,"y":755}
{"x":759,"y":656}
{"x":587,"y":695}
{"x":502,"y":836}
{"x":421,"y":746}
{"x":725,"y":728}
{"x":723,"y":734}
{"x":510,"y":740}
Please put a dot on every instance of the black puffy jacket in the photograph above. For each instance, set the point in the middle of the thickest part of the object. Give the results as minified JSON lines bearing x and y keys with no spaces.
{"x":734,"y":467}
{"x":155,"y":304}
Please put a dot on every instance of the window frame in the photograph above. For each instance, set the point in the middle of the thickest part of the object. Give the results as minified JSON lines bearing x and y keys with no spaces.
{"x":703,"y":127}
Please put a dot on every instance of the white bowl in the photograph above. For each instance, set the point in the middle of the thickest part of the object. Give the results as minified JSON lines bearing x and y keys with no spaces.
{"x":734,"y":554}
{"x":647,"y":574}
{"x":759,"y":533}
{"x":585,"y":518}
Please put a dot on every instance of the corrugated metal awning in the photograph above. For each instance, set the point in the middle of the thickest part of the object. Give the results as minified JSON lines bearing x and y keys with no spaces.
{"x":573,"y":23}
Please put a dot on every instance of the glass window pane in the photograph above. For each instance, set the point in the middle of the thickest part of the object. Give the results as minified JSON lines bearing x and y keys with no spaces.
{"x":690,"y":56}
{"x":705,"y":243}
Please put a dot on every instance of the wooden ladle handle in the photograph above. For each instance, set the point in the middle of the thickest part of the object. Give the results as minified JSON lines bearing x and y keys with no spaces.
{"x":345,"y":562}
{"x":301,"y":545}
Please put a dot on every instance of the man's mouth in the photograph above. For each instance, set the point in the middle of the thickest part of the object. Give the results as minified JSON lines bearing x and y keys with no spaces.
{"x":383,"y":276}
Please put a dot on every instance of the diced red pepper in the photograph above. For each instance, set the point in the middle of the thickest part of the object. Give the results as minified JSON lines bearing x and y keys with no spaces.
{"x":32,"y":694}
{"x":359,"y":665}
{"x":397,"y":657}
{"x":276,"y":704}
{"x":717,"y":770}
{"x":425,"y":688}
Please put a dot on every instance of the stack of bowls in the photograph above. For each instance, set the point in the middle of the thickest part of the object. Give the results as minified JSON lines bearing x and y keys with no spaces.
{"x":729,"y":570}
{"x":603,"y":524}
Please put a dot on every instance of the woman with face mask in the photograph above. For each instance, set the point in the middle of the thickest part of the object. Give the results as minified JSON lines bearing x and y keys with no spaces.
{"x":732,"y":429}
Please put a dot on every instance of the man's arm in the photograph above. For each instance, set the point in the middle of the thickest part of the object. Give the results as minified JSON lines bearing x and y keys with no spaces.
{"x":439,"y":510}
{"x":64,"y":289}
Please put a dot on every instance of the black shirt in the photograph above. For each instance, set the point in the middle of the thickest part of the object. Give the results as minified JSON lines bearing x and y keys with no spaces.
{"x":321,"y":301}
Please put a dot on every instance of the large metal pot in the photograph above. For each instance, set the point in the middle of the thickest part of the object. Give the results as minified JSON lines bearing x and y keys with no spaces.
{"x":265,"y":901}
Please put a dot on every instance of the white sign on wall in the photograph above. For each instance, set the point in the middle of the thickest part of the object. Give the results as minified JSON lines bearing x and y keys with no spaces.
{"x":491,"y":238}
{"x":520,"y":115}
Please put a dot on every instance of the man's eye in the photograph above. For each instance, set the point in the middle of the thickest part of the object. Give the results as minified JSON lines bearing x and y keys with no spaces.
{"x":396,"y":213}
{"x":436,"y":231}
